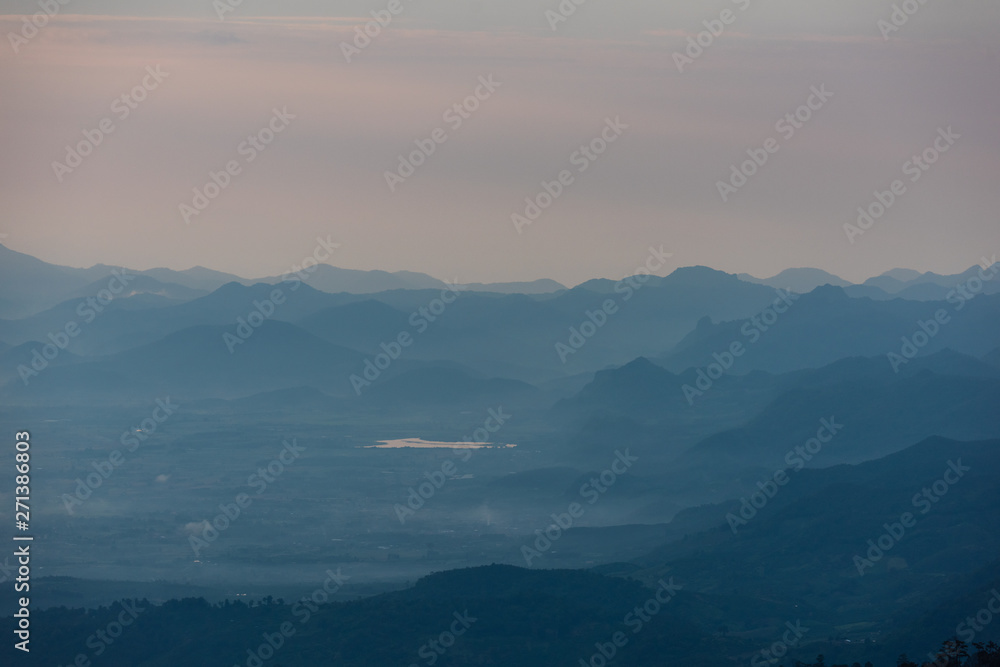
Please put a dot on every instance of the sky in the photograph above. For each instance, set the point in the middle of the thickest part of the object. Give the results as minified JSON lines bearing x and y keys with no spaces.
{"x":555,"y":83}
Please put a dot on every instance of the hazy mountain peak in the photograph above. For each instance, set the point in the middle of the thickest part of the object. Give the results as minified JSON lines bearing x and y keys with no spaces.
{"x":902,"y":275}
{"x":700,"y":273}
{"x":634,"y":373}
{"x":641,"y":364}
{"x":831,"y":292}
{"x":800,"y":280}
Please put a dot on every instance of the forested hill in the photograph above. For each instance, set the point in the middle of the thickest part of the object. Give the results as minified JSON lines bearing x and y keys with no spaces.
{"x":494,"y":615}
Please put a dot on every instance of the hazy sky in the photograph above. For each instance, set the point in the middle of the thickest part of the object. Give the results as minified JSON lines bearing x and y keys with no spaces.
{"x":324,"y":174}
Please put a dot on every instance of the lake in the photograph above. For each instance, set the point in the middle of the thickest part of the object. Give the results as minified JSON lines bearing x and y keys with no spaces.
{"x":420,"y":443}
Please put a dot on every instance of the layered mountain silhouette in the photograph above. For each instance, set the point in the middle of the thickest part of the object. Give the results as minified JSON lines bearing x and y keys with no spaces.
{"x":774,"y":434}
{"x":826,"y":324}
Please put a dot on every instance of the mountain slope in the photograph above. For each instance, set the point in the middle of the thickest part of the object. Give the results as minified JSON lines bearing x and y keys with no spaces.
{"x":800,"y":546}
{"x":826,"y":325}
{"x":197,"y":363}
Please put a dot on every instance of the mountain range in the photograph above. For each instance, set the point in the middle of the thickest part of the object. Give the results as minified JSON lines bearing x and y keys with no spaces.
{"x":772,"y":433}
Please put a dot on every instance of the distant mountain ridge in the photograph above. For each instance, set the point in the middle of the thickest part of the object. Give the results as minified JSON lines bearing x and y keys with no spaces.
{"x":798,"y":280}
{"x":29,"y":285}
{"x":895,"y":283}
